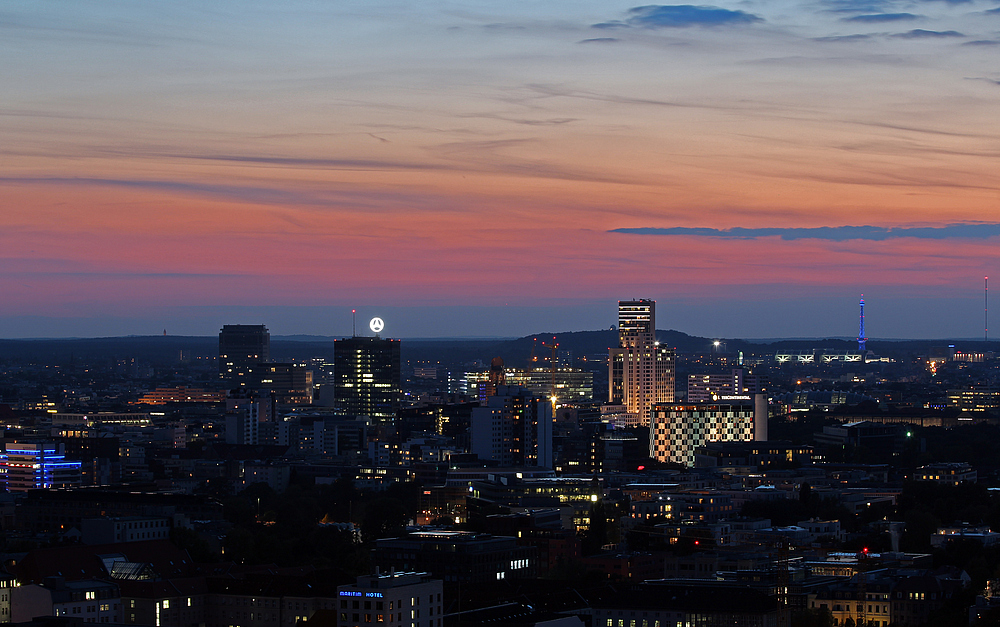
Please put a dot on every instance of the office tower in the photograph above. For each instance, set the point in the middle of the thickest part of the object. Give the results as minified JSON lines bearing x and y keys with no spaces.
{"x":289,"y":384}
{"x":640,"y":371}
{"x":514,"y":428}
{"x":677,"y":429}
{"x":242,"y":348}
{"x":367,"y":377}
{"x":703,"y":388}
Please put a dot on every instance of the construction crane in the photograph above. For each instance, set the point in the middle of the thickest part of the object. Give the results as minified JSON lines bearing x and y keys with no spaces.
{"x":532,"y":358}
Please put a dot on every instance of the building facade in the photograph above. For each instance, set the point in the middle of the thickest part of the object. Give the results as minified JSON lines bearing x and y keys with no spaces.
{"x":640,"y":371}
{"x":678,"y":429}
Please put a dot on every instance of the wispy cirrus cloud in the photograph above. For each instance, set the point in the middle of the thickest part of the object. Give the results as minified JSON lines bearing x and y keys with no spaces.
{"x":831,"y":233}
{"x":256,"y":194}
{"x":920,"y":33}
{"x":680,"y":16}
{"x":991,"y":81}
{"x":843,"y":38}
{"x":856,"y":6}
{"x":880,"y":18}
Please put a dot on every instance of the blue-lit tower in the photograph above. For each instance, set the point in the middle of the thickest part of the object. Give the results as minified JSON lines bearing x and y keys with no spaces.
{"x":861,"y":327}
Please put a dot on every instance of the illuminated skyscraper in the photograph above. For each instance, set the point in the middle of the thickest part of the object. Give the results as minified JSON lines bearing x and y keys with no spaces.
{"x":366,"y":373}
{"x":242,"y":348}
{"x":641,"y":372}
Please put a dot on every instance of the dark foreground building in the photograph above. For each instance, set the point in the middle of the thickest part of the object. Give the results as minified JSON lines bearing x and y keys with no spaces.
{"x":458,"y":556}
{"x":242,"y":348}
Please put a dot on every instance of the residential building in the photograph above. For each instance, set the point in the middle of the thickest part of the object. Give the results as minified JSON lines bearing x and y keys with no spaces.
{"x":91,"y":601}
{"x":7,"y":583}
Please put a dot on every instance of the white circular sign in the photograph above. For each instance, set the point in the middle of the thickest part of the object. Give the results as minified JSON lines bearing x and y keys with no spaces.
{"x":376,"y":325}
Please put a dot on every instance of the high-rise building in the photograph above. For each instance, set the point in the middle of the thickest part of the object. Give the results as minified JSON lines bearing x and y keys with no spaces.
{"x":514,"y":428}
{"x":367,"y":377}
{"x":242,"y":348}
{"x":640,"y":371}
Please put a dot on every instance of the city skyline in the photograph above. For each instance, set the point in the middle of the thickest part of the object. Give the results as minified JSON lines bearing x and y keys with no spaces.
{"x":486,"y":169}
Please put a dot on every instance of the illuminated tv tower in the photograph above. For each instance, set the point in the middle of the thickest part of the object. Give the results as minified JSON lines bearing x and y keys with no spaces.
{"x":861,"y":327}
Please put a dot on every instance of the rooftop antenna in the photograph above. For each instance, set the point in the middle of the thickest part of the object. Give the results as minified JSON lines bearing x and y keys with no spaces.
{"x":986,"y":303}
{"x":861,"y":327}
{"x":354,"y":323}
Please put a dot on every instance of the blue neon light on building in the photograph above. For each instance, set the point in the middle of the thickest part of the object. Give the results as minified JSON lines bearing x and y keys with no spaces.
{"x":36,"y":466}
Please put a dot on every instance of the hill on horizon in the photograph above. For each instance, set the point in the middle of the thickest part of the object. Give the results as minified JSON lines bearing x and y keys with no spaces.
{"x":165,"y":350}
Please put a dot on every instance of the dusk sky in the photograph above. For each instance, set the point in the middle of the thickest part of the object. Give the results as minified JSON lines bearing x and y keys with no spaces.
{"x":498,"y":168}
